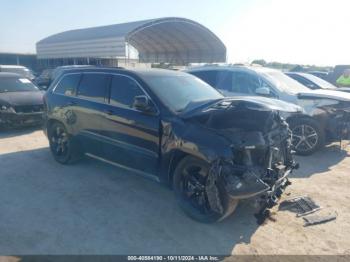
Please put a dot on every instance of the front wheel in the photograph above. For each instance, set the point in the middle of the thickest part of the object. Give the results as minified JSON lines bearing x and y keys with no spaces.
{"x":190,"y":186}
{"x":62,"y":146}
{"x":307,"y":136}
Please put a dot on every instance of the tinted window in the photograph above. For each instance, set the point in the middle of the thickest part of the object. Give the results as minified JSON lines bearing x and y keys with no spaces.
{"x":68,"y":85}
{"x":123,"y":91}
{"x":224,"y":80}
{"x":299,"y":79}
{"x":181,"y":92}
{"x":93,"y":87}
{"x":244,"y":83}
{"x":207,"y":76}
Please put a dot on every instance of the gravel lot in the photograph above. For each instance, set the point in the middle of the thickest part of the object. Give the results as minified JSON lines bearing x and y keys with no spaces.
{"x":95,"y":208}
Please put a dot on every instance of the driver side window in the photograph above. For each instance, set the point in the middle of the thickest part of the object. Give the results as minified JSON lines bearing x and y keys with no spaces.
{"x":123,"y":91}
{"x":265,"y":84}
{"x":245,"y":83}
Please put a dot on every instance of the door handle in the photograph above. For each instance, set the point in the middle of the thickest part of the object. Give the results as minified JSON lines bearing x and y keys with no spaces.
{"x":108,"y":112}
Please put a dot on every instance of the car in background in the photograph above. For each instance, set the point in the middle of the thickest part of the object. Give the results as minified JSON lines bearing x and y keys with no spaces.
{"x":49,"y":75}
{"x":326,"y":114}
{"x":21,"y":70}
{"x":21,"y":102}
{"x":44,"y":79}
{"x":173,"y":128}
{"x":321,"y":74}
{"x":337,"y":72}
{"x":314,"y":82}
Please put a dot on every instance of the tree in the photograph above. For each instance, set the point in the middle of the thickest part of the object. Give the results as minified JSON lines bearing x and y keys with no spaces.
{"x":261,"y":62}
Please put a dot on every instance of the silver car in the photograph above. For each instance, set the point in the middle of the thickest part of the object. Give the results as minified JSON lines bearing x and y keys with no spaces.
{"x":326,"y":115}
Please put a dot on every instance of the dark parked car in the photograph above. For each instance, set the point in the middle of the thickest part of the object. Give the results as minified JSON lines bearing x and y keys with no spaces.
{"x":314,"y":82}
{"x":174,"y":128}
{"x":21,"y":102}
{"x":44,"y":79}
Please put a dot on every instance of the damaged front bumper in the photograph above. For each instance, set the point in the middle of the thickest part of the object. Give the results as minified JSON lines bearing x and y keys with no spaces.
{"x":246,"y":182}
{"x":264,"y":184}
{"x":20,"y":119}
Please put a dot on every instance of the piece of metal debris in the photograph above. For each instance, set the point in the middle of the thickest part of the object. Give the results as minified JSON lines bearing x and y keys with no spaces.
{"x":315,"y":219}
{"x":302,"y":205}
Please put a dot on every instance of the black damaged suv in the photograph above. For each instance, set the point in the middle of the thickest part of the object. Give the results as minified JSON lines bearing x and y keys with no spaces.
{"x":173,"y":127}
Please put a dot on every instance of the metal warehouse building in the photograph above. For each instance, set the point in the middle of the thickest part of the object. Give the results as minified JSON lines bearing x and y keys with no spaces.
{"x":171,"y":40}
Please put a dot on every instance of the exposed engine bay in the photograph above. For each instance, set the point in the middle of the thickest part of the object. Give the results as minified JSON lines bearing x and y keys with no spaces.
{"x":260,"y":141}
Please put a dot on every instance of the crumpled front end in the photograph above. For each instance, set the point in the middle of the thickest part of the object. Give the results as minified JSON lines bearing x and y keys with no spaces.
{"x":261,"y":156}
{"x":260,"y":167}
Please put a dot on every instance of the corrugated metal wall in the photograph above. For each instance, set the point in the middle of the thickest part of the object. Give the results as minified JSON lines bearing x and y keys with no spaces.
{"x":106,"y":47}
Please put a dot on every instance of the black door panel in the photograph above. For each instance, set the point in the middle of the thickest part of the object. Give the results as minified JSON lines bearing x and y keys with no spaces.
{"x":131,"y":137}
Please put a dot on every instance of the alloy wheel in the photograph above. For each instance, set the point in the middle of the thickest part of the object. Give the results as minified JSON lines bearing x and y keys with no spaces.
{"x":305,"y":138}
{"x":194,"y":189}
{"x":59,"y":141}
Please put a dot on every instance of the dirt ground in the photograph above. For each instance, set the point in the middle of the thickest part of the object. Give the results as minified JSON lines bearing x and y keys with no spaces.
{"x":95,"y":208}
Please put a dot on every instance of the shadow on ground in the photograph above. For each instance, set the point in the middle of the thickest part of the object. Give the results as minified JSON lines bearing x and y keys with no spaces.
{"x":12,"y":132}
{"x":95,"y":208}
{"x":320,"y":162}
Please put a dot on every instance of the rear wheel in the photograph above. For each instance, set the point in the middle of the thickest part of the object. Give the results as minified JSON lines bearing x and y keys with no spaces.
{"x":307,"y":136}
{"x":190,"y":186}
{"x":63,"y":148}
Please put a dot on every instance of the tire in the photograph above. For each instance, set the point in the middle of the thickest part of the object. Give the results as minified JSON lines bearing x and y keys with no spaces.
{"x":307,"y":136}
{"x":63,"y":148}
{"x":191,"y":167}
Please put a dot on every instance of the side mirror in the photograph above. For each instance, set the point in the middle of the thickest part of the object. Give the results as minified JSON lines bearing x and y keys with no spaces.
{"x":263,"y":91}
{"x":143,"y":103}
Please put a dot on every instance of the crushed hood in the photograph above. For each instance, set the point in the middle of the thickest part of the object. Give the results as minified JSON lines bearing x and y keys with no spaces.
{"x":22,"y":98}
{"x":325,"y":94}
{"x":250,"y":102}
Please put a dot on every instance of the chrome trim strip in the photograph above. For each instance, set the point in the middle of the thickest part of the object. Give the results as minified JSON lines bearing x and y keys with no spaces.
{"x":121,"y":144}
{"x":138,"y":172}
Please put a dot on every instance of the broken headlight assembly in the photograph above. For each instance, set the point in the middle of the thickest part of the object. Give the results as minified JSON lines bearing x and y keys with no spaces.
{"x":7,"y":109}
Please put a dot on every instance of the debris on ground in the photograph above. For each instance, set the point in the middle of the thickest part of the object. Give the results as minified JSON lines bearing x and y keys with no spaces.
{"x":316,"y":219}
{"x":302,"y":205}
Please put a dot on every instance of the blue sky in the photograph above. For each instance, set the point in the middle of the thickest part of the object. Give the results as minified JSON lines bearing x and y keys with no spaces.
{"x":296,"y":31}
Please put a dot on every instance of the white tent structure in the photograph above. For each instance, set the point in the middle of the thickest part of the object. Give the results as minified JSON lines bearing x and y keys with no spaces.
{"x":164,"y":40}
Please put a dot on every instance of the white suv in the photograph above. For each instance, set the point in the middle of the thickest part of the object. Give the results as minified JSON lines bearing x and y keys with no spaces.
{"x":326,"y":114}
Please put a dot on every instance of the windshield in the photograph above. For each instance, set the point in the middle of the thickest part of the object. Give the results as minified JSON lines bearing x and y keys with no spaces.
{"x":286,"y":83}
{"x":25,"y":72}
{"x":181,"y":92}
{"x":320,"y":82}
{"x":11,"y":84}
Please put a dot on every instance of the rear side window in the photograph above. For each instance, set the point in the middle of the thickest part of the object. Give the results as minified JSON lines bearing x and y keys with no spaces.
{"x":68,"y":85}
{"x":123,"y":91}
{"x":302,"y":80}
{"x":93,"y":87}
{"x":207,"y":76}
